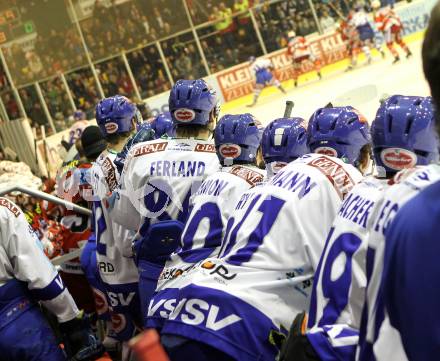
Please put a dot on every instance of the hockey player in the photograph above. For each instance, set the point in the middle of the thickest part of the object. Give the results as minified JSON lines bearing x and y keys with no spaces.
{"x":160,"y":176}
{"x":301,"y":53}
{"x":350,"y":36}
{"x":27,"y":277}
{"x":377,"y":337}
{"x":262,"y":68}
{"x":74,"y":185}
{"x":118,"y":119}
{"x":163,"y":125}
{"x":401,"y":126}
{"x":284,"y":140}
{"x":237,"y":139}
{"x":240,"y":305}
{"x":366,"y":32}
{"x":389,"y":23}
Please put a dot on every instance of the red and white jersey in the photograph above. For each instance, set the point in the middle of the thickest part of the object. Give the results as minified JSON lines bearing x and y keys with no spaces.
{"x":272,"y":246}
{"x":159,"y":177}
{"x":113,"y":241}
{"x":348,"y":31}
{"x":409,"y":183}
{"x":385,"y":18}
{"x":22,"y":258}
{"x":299,"y":47}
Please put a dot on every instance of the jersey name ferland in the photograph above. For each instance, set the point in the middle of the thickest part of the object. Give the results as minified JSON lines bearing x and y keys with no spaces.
{"x":242,"y":301}
{"x":211,"y":206}
{"x":112,"y":239}
{"x":159,"y":177}
{"x":378,"y":339}
{"x":340,"y":280}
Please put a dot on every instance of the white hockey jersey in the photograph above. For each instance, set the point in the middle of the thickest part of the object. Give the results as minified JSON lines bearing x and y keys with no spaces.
{"x":24,"y":264}
{"x":340,"y":281}
{"x":159,"y":178}
{"x":241,"y":302}
{"x":378,"y":339}
{"x":211,"y":207}
{"x":112,"y":239}
{"x":261,"y":65}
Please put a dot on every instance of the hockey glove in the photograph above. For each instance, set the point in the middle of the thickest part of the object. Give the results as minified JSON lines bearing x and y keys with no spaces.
{"x":79,"y":341}
{"x":160,"y":240}
{"x":297,"y":346}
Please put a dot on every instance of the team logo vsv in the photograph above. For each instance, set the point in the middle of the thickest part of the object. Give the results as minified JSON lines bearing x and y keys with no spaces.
{"x":398,"y":158}
{"x":184,"y":115}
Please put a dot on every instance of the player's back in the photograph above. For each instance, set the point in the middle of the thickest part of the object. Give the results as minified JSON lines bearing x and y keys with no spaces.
{"x":261,"y":65}
{"x":159,"y":178}
{"x":375,"y":328}
{"x":270,"y":252}
{"x":340,"y":280}
{"x":202,"y":237}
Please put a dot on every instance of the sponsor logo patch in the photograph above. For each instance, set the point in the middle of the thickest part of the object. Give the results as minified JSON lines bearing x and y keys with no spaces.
{"x":118,"y":322}
{"x":100,"y":301}
{"x":398,"y":158}
{"x":205,"y":148}
{"x":326,"y":151}
{"x":111,"y":127}
{"x":277,"y":166}
{"x":184,"y":115}
{"x":230,"y":150}
{"x":251,"y":177}
{"x":150,"y":148}
{"x":10,"y":206}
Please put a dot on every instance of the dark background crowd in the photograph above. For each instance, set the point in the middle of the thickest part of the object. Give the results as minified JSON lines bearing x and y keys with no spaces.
{"x":140,"y":29}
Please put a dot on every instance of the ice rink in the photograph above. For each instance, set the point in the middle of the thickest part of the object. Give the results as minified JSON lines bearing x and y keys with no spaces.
{"x":361,"y":88}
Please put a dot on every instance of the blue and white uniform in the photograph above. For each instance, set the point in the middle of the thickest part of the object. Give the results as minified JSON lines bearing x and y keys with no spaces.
{"x":340,"y":280}
{"x":261,"y":68}
{"x":362,"y":24}
{"x":211,"y":208}
{"x":378,"y":340}
{"x":116,"y":267}
{"x":157,"y":182}
{"x":243,"y":301}
{"x":26,"y":277}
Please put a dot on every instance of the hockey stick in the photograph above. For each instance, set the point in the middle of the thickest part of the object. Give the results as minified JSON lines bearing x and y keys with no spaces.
{"x":289,"y":107}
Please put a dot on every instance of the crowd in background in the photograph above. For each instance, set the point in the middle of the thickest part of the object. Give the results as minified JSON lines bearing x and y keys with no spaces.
{"x":227,"y":39}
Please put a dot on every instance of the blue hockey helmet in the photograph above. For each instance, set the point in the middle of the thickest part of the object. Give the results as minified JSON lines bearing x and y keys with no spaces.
{"x":114,"y":115}
{"x":339,"y":132}
{"x":237,"y":138}
{"x":79,"y":115}
{"x":163,"y":124}
{"x":192,"y":101}
{"x":404,"y":133}
{"x":284,"y":140}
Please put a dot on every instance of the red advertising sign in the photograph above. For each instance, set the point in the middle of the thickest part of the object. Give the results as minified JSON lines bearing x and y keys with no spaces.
{"x":239,"y":81}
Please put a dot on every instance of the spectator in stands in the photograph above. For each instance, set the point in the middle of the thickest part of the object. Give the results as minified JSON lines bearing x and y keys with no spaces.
{"x":327,"y":22}
{"x":242,"y":6}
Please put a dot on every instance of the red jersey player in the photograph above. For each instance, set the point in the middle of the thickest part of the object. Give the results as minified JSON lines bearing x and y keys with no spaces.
{"x":350,"y":36}
{"x":389,"y":23}
{"x":300,"y":51}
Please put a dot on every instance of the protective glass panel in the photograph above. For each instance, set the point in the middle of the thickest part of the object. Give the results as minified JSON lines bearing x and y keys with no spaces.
{"x":36,"y":43}
{"x":34,"y":109}
{"x":149,"y":71}
{"x":275,"y":20}
{"x":114,"y":78}
{"x":84,"y":90}
{"x":58,"y":103}
{"x":183,"y":57}
{"x":203,"y":11}
{"x":11,"y":105}
{"x":229,"y":43}
{"x":110,"y":26}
